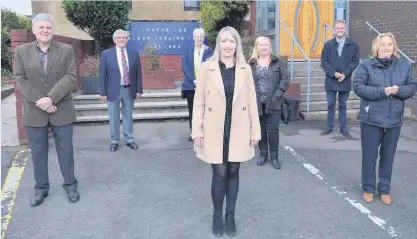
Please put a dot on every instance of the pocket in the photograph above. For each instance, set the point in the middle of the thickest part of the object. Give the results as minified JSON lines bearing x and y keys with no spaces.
{"x":275,"y":103}
{"x":275,"y":75}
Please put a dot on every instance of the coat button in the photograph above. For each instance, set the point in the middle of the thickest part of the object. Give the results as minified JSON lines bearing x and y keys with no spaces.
{"x":244,"y":108}
{"x":210,"y":109}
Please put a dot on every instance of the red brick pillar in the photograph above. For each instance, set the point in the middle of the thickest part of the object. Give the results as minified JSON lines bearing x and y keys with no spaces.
{"x":21,"y":130}
{"x":19,"y":37}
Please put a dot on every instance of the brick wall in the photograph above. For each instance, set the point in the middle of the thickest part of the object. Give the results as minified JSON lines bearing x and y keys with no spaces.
{"x":397,"y":17}
{"x":168,"y":62}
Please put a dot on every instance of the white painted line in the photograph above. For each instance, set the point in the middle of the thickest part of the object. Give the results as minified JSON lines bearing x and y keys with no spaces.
{"x":10,"y":186}
{"x":359,"y":206}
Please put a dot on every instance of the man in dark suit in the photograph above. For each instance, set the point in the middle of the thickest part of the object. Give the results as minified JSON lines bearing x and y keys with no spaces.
{"x":45,"y":72}
{"x":120,"y":82}
{"x":339,"y":58}
{"x":191,"y":61}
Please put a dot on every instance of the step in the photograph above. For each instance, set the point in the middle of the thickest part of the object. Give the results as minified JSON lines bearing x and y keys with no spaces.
{"x":146,"y":97}
{"x":314,"y":88}
{"x":321,"y":96}
{"x":140,"y":116}
{"x":304,"y":80}
{"x":322,"y":105}
{"x":303,"y":66}
{"x":139,"y":107}
{"x":314,"y":73}
{"x":322,"y":114}
{"x":350,"y":114}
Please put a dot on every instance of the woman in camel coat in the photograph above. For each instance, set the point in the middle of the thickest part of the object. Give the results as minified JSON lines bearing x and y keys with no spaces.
{"x":225,"y":126}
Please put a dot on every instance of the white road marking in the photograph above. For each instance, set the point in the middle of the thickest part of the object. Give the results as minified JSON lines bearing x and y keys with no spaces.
{"x":360,"y":207}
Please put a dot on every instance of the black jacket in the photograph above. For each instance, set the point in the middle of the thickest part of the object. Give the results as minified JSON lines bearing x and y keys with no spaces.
{"x":345,"y":64}
{"x":277,"y":84}
{"x":369,"y":84}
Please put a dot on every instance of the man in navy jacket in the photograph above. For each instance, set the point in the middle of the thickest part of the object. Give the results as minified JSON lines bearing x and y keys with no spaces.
{"x":339,"y":58}
{"x":191,"y":61}
{"x":120,"y":82}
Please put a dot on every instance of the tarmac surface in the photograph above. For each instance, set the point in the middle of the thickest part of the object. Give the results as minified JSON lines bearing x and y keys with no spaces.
{"x":163,"y":191}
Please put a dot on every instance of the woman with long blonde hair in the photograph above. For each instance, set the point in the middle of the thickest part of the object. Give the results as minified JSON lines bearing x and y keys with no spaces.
{"x":270,"y":78}
{"x":383,"y":83}
{"x":225,"y":123}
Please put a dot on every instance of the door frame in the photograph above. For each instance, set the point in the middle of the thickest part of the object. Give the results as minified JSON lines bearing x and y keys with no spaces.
{"x":277,"y":31}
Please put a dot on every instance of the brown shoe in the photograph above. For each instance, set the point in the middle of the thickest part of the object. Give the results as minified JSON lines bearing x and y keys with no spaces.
{"x":368,"y":197}
{"x":386,"y":199}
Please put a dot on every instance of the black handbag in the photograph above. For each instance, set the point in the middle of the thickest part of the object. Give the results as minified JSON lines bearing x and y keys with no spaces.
{"x":285,"y":111}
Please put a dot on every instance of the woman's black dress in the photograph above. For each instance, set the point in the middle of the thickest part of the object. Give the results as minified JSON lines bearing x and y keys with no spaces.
{"x":228,"y":76}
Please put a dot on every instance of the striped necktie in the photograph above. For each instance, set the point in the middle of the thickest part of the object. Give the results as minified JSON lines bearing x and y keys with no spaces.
{"x":126,"y":79}
{"x":340,"y":47}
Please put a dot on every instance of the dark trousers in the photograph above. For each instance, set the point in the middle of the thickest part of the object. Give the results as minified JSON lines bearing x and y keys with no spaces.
{"x":189,"y":94}
{"x":225,"y":182}
{"x":38,"y":140}
{"x":331,"y":108}
{"x":372,"y":138}
{"x":269,"y":133}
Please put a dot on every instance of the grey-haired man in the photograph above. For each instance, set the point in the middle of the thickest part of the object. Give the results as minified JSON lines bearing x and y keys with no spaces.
{"x":45,"y":73}
{"x":120,"y":83}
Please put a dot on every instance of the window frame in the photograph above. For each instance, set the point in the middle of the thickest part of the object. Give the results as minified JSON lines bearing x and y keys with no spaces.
{"x":192,"y":8}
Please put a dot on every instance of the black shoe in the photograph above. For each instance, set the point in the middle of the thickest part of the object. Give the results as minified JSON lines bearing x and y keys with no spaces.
{"x":38,"y":199}
{"x":114,"y":147}
{"x":132,"y":145}
{"x":218,"y":226}
{"x":190,"y":139}
{"x":275,"y":161}
{"x":262,"y":159}
{"x":73,"y":196}
{"x":326,"y":131}
{"x":346,"y":134}
{"x":230,"y":225}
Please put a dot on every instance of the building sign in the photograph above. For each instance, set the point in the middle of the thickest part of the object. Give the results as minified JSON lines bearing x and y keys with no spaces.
{"x":167,"y":38}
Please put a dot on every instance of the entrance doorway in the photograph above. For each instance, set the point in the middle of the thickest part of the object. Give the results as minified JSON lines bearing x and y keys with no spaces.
{"x":305,"y":20}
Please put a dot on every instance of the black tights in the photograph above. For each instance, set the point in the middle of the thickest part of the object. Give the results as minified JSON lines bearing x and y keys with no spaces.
{"x":225,"y":183}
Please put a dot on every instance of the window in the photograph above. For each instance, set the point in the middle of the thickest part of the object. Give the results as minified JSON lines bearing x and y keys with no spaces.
{"x":192,"y":5}
{"x":265,"y":15}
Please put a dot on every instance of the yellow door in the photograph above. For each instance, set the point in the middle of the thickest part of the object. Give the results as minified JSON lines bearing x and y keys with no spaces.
{"x":305,"y":20}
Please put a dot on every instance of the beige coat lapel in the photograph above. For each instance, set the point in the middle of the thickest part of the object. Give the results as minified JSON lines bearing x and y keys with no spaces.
{"x":216,"y":77}
{"x":52,"y":55}
{"x":239,"y":81}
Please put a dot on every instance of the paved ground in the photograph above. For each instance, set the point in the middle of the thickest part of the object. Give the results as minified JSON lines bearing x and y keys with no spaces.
{"x":163,"y":191}
{"x":412,"y":104}
{"x":9,"y":137}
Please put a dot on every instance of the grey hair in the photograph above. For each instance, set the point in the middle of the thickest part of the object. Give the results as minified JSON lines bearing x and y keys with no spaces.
{"x":118,"y":32}
{"x":239,"y":56}
{"x":43,"y":17}
{"x":199,"y":31}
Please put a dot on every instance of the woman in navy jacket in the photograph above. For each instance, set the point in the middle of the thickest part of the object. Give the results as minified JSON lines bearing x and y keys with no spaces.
{"x":191,"y":61}
{"x":383,"y":83}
